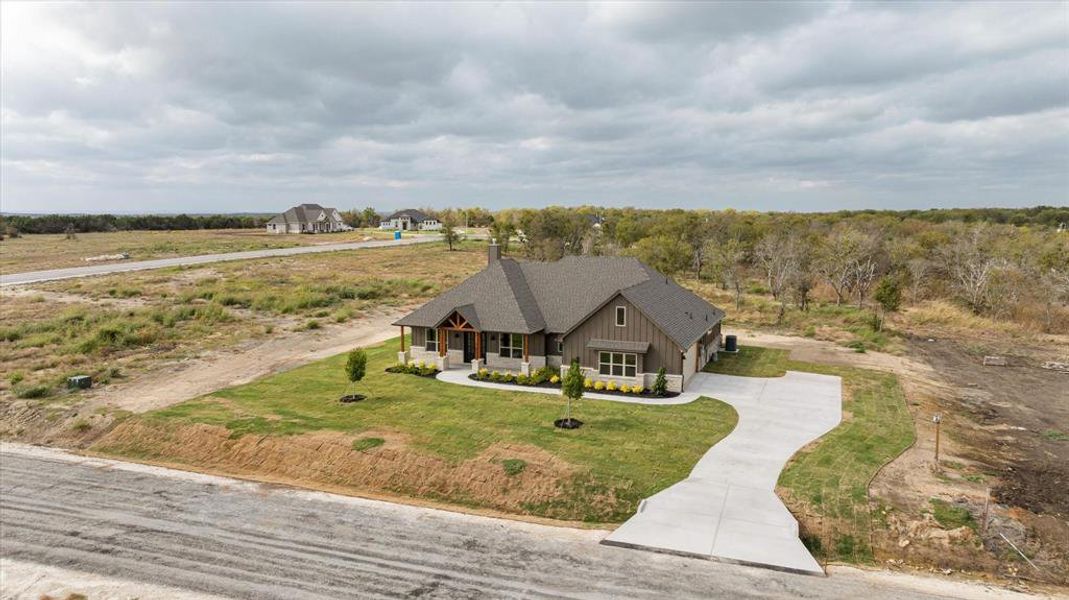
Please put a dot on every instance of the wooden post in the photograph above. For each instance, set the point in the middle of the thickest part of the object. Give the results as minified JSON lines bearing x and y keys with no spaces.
{"x":937,"y":419}
{"x":526,"y":348}
{"x":402,"y":338}
{"x":441,"y":342}
{"x":479,"y":345}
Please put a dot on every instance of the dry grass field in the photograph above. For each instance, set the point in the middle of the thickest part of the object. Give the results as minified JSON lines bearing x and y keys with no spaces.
{"x":48,"y":251}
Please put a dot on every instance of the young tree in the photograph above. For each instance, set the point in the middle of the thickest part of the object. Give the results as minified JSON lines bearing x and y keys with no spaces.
{"x":355,"y":369}
{"x":572,"y":388}
{"x":449,"y":231}
{"x":660,"y":384}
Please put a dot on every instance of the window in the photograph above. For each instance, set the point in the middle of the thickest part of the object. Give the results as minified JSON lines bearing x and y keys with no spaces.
{"x":432,"y":340}
{"x":617,"y":364}
{"x":560,"y":346}
{"x":511,"y":345}
{"x":621,"y":316}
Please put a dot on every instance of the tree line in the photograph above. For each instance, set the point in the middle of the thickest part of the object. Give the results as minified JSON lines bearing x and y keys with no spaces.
{"x":22,"y":224}
{"x":864,"y":258}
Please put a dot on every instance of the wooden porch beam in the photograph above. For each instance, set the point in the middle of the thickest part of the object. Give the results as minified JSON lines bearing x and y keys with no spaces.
{"x":479,"y":345}
{"x":441,"y":341}
{"x":402,"y":338}
{"x":526,"y":348}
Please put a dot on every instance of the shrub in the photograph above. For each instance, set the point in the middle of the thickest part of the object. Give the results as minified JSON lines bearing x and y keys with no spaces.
{"x":624,"y":388}
{"x":588,"y":384}
{"x":513,"y":466}
{"x":81,"y":426}
{"x":660,"y":384}
{"x":599,"y":385}
{"x":523,"y":379}
{"x":34,"y":391}
{"x":483,"y":373}
{"x":16,"y":378}
{"x":495,"y":376}
{"x":356,"y":365}
{"x":611,"y":386}
{"x":637,"y":389}
{"x":555,"y":379}
{"x":508,"y":378}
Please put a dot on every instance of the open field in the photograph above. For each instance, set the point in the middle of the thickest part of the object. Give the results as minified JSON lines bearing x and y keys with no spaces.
{"x":431,"y":440}
{"x":130,"y":322}
{"x":54,"y":251}
{"x":826,"y":484}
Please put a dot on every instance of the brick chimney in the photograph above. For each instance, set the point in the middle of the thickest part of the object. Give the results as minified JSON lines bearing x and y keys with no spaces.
{"x":493,"y":254}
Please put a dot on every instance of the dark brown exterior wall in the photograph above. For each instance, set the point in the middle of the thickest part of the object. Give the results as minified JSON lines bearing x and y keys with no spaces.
{"x":602,"y":325}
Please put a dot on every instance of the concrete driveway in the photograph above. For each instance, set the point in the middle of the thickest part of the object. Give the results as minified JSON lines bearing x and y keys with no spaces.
{"x":160,"y":263}
{"x":727,"y":508}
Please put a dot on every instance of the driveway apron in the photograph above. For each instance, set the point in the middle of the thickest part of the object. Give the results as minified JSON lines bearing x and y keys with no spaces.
{"x":727,"y":508}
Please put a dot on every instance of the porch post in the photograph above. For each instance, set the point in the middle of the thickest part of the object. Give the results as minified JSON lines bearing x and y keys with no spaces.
{"x":526,"y":348}
{"x":441,"y":341}
{"x":478,"y":344}
{"x":402,"y":338}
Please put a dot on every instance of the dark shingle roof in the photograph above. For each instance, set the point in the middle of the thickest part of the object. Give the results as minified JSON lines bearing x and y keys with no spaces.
{"x":527,"y":297}
{"x":303,"y":213}
{"x":416,"y":215}
{"x":618,"y":346}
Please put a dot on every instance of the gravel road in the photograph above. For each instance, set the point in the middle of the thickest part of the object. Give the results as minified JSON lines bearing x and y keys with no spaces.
{"x":245,"y":540}
{"x":160,"y":263}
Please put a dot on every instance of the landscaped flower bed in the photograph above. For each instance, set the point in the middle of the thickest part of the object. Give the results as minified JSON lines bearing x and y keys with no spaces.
{"x":413,"y":368}
{"x":549,"y":378}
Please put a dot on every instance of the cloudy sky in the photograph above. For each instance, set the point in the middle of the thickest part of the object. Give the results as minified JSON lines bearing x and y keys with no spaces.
{"x":802,"y":106}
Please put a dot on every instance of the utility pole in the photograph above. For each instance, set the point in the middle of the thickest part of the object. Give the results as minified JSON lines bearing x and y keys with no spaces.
{"x":937,"y":419}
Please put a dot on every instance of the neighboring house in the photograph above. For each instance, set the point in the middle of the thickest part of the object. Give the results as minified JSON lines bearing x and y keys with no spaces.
{"x":307,"y":218}
{"x":620,"y":318}
{"x":411,"y":219}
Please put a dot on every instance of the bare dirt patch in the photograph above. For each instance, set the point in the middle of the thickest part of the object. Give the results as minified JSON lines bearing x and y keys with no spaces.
{"x":327,"y":458}
{"x":172,"y":383}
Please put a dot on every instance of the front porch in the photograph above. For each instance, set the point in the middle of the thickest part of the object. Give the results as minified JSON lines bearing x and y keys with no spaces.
{"x":457,"y":342}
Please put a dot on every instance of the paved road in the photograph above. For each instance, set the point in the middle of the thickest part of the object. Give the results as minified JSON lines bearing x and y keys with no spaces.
{"x":727,"y":507}
{"x":144,"y":265}
{"x":244,"y":540}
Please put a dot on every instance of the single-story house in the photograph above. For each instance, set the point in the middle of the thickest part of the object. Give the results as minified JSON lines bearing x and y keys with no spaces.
{"x":307,"y":218}
{"x":620,"y":318}
{"x":410,"y":219}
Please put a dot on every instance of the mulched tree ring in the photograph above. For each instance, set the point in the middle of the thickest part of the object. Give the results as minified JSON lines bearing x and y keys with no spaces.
{"x":568,"y":423}
{"x":351,"y":398}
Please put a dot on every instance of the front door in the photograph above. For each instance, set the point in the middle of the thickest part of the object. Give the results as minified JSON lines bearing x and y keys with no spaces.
{"x":469,"y":346}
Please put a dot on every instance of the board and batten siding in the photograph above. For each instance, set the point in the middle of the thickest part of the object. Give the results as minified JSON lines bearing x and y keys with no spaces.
{"x":602,"y":326}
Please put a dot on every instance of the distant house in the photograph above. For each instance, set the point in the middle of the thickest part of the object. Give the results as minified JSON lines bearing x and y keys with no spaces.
{"x":307,"y":218}
{"x":410,"y":219}
{"x":622,"y":320}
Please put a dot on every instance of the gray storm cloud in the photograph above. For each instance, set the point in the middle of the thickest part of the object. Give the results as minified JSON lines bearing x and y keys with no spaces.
{"x":796,"y":106}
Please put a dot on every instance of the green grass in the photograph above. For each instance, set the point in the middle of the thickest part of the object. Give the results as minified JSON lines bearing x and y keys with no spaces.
{"x":830,"y":479}
{"x":1056,"y":436}
{"x":950,"y":516}
{"x":623,"y":453}
{"x":513,"y":466}
{"x":751,"y":361}
{"x":365,"y":444}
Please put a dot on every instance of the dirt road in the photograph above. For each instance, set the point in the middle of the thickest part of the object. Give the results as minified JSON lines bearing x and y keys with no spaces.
{"x":174,"y":383}
{"x":243,"y":540}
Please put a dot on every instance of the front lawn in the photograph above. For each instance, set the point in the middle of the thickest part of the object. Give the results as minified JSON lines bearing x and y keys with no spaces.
{"x":826,"y":485}
{"x":432,"y":440}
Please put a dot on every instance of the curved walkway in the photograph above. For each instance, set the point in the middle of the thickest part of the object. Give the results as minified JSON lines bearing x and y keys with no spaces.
{"x":727,"y":509}
{"x":181,"y":261}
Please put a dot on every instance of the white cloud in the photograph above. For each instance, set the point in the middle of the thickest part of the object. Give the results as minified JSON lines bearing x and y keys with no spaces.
{"x":797,"y":106}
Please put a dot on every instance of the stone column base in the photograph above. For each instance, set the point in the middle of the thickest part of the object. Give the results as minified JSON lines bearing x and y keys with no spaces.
{"x":476,"y":364}
{"x":525,"y":368}
{"x":402,"y":357}
{"x":442,"y":363}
